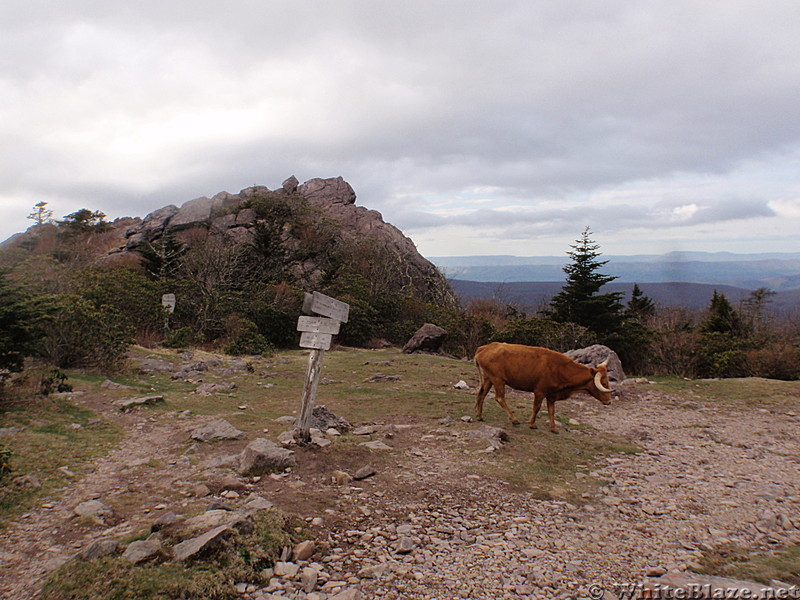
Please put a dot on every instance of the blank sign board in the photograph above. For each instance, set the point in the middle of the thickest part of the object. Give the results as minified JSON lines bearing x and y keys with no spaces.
{"x":318,"y":325}
{"x":168,"y":302}
{"x":320,"y":304}
{"x":315,"y":341}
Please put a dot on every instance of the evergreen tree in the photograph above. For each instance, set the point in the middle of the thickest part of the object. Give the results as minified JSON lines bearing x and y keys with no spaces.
{"x":14,"y":323}
{"x":161,"y":259}
{"x":722,"y":317}
{"x":639,"y":306}
{"x":41,"y":214}
{"x":579,"y":301}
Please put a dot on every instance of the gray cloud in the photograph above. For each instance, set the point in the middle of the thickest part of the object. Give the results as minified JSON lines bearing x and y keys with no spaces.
{"x":127,"y":107}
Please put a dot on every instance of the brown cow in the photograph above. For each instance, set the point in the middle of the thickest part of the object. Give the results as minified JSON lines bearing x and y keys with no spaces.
{"x":548,"y":374}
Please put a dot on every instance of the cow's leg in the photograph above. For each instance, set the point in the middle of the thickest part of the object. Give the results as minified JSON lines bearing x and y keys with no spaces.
{"x":500,"y":396}
{"x":537,"y":404}
{"x":551,"y":411}
{"x":486,"y":385}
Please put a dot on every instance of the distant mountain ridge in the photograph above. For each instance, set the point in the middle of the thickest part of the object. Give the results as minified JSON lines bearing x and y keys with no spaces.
{"x":535,"y":295}
{"x":774,"y":270}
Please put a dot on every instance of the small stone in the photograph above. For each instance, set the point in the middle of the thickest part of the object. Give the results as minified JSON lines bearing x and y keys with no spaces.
{"x":405,"y":545}
{"x":308,"y":579}
{"x":142,"y":550}
{"x":461,"y":385}
{"x":363,"y":473}
{"x":304,"y":550}
{"x":365,"y":430}
{"x":376,"y":445}
{"x":286,"y":569}
{"x":97,"y":549}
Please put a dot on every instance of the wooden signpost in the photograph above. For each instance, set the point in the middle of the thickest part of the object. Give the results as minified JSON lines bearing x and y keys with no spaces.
{"x":168,"y":303}
{"x":316,"y":334}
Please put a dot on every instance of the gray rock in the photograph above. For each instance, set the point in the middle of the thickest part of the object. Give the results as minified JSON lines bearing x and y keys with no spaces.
{"x":93,"y":509}
{"x":373,"y":571}
{"x":376,"y":445}
{"x":308,"y":579}
{"x":348,"y":594}
{"x":290,"y":184}
{"x":363,"y":473}
{"x":149,"y":366}
{"x":487,"y":432}
{"x":165,"y":520}
{"x":97,"y":549}
{"x":304,"y":550}
{"x":592,"y":356}
{"x":286,"y":569}
{"x":264,"y":456}
{"x":325,"y":192}
{"x":428,"y":338}
{"x":131,"y":403}
{"x":322,"y":419}
{"x":365,"y":430}
{"x":208,"y":541}
{"x":218,"y":429}
{"x":206,"y":389}
{"x":405,"y":545}
{"x":191,"y":213}
{"x":142,"y":551}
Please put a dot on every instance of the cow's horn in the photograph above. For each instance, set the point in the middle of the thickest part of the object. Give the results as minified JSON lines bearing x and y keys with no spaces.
{"x":604,"y":363}
{"x":599,"y":385}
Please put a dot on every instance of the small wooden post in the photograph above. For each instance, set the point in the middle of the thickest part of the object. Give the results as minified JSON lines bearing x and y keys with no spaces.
{"x":168,"y":303}
{"x":316,"y":334}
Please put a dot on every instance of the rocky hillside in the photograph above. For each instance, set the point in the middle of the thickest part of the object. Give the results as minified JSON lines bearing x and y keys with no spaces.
{"x":309,"y":234}
{"x":313,"y":229}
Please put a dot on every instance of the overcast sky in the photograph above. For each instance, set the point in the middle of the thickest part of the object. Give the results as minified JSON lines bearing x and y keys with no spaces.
{"x":497,"y":127}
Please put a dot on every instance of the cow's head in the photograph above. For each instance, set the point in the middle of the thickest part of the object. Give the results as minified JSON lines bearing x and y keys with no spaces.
{"x":600,"y":387}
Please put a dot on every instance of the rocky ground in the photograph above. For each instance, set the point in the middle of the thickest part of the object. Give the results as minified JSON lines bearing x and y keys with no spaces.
{"x":419,"y":528}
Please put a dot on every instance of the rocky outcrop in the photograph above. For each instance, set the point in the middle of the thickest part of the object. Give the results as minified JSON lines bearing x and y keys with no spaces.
{"x":324,"y":222}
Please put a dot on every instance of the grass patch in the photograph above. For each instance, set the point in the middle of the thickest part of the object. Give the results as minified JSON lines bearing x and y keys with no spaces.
{"x":55,"y":434}
{"x":739,"y":563}
{"x":211,"y":577}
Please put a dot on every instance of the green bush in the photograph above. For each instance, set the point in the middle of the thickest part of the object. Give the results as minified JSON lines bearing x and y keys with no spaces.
{"x":73,"y":333}
{"x":179,"y":338}
{"x":546,"y":333}
{"x":244,"y":338}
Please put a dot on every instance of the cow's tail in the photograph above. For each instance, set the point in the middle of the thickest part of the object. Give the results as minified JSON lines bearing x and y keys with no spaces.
{"x":481,"y":375}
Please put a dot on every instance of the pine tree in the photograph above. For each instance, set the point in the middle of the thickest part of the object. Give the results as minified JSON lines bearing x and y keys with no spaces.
{"x":41,"y":214}
{"x":721,"y":317}
{"x":15,"y":317}
{"x":579,"y":301}
{"x":639,"y":306}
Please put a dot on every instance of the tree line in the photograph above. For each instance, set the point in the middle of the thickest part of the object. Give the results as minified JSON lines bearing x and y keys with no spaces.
{"x":59,"y":306}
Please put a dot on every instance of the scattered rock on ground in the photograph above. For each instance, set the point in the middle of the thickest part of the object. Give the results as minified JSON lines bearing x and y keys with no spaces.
{"x":219,"y":429}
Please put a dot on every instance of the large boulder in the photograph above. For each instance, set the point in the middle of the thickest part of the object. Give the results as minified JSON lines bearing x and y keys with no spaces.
{"x":192,"y":212}
{"x":323,"y":192}
{"x":428,"y":338}
{"x":592,"y":356}
{"x":264,"y":456}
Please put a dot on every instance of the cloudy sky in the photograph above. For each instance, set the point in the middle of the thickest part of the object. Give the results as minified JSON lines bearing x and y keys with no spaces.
{"x":477,"y":127}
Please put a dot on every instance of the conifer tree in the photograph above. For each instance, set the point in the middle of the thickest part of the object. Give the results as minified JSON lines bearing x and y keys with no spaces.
{"x":579,"y":301}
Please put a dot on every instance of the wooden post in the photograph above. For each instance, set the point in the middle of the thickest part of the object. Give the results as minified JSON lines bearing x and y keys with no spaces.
{"x":309,"y":395}
{"x":317,"y":333}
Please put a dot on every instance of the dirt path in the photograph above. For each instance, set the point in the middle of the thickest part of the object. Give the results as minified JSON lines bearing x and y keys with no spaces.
{"x":419,"y":529}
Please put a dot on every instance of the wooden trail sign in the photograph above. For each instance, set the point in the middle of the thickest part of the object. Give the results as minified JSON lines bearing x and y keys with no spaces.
{"x":316,"y":334}
{"x":168,"y":302}
{"x":318,"y":325}
{"x":320,"y":304}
